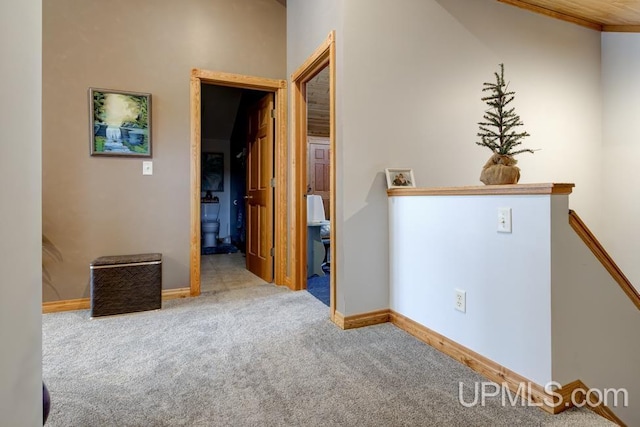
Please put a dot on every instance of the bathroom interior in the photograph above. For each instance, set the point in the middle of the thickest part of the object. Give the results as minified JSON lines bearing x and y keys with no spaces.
{"x":224,"y":125}
{"x":223,"y":186}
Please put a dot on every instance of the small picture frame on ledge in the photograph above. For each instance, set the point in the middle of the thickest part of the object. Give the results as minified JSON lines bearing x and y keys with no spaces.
{"x":400,"y":177}
{"x":119,"y":123}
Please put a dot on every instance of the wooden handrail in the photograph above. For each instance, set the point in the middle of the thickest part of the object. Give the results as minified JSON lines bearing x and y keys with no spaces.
{"x":601,"y":254}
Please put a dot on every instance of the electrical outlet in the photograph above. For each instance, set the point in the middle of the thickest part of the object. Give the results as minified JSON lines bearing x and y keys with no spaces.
{"x":461,"y":300}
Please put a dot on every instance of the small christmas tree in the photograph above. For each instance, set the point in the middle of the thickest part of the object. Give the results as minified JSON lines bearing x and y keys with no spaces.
{"x":503,"y":139}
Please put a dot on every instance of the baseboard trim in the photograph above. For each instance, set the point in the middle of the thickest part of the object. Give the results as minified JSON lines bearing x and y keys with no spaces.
{"x":361,"y":320}
{"x":485,"y":367}
{"x":66,"y":305}
{"x":338,"y":319}
{"x":535,"y":393}
{"x":571,"y":394}
{"x":85,"y":303}
{"x":168,"y":294}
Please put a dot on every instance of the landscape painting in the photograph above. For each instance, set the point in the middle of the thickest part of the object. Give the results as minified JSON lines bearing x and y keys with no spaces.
{"x":120,"y":123}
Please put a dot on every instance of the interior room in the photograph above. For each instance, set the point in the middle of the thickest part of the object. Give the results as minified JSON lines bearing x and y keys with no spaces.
{"x":318,"y":187}
{"x":224,"y":133}
{"x":429,"y":297}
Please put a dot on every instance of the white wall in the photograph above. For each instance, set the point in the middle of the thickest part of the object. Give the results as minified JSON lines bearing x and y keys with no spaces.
{"x":438,"y":244}
{"x":538,"y":301}
{"x":409,"y":79}
{"x":221,"y":146}
{"x":308,"y":25}
{"x":594,"y":324}
{"x":20,"y":210}
{"x":413,"y":74}
{"x":621,"y":149}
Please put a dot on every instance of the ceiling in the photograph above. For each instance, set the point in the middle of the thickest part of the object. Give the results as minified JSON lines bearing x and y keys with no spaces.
{"x":318,"y":104}
{"x":601,"y":15}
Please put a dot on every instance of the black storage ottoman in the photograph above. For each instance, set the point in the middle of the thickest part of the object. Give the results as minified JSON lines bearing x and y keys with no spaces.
{"x":126,"y":284}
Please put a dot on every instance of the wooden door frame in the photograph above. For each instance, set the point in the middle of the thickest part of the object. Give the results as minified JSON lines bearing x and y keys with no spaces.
{"x":279,"y":88}
{"x":324,"y":56}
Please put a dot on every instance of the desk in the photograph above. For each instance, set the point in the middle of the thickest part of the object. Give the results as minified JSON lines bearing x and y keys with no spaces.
{"x":315,"y":248}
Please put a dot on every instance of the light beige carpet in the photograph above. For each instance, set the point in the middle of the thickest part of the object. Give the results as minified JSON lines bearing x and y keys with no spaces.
{"x":257,"y":356}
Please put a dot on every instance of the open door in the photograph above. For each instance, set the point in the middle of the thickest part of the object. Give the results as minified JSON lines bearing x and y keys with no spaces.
{"x":259,"y":197}
{"x":277,"y":265}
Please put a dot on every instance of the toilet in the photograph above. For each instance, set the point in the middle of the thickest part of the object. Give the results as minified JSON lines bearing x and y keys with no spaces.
{"x":209,"y":222}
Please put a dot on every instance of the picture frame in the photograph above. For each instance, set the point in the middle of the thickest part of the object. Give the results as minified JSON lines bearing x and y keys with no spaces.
{"x":212,"y":168}
{"x":400,"y":177}
{"x":119,"y":123}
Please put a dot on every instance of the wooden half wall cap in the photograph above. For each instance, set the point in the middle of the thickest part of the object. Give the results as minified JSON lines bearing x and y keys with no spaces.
{"x":485,"y":190}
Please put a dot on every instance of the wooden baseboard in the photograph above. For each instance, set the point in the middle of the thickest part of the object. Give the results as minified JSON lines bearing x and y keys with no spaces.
{"x":66,"y":305}
{"x":575,"y":392}
{"x":338,"y":319}
{"x":168,"y":294}
{"x":85,"y":303}
{"x":535,"y":393}
{"x":361,"y":320}
{"x":485,"y":367}
{"x":288,"y":282}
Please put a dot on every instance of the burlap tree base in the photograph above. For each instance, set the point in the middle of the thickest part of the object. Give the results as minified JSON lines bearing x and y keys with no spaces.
{"x":499,"y":170}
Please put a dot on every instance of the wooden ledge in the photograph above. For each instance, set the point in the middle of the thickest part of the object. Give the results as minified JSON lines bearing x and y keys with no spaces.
{"x":485,"y":190}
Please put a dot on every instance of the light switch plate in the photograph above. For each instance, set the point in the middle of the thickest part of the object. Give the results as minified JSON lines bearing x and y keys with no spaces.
{"x":504,"y":220}
{"x":147,"y":168}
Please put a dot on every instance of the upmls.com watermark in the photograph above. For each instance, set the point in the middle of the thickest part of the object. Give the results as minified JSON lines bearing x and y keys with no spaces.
{"x":579,"y":397}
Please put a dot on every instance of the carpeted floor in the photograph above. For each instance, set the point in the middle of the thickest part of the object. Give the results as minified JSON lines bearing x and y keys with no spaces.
{"x":258,"y":356}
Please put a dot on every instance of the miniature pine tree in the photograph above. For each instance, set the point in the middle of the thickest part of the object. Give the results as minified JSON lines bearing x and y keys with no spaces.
{"x":503,"y":138}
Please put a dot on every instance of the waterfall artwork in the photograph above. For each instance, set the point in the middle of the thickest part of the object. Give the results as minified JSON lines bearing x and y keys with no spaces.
{"x":120,"y":123}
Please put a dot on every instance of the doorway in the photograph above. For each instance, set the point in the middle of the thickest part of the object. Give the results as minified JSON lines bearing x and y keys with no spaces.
{"x":323,"y":58}
{"x":227,"y":190}
{"x":318,"y":187}
{"x":274,"y":229}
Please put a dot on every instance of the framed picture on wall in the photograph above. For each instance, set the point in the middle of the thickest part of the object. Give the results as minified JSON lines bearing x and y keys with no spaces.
{"x":400,"y":177}
{"x":212,"y":178}
{"x":120,"y":123}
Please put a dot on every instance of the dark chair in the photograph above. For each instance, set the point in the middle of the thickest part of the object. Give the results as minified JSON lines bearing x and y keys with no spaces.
{"x":325,"y":236}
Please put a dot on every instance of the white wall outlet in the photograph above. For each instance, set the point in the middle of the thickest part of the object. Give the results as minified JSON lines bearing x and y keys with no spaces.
{"x":504,"y":220}
{"x":147,"y":168}
{"x":461,"y":300}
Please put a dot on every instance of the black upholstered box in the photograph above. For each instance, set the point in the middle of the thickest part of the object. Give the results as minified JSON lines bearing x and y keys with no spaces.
{"x":126,"y":284}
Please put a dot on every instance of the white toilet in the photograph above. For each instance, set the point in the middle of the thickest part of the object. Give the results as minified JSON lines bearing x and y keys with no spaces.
{"x":209,"y":222}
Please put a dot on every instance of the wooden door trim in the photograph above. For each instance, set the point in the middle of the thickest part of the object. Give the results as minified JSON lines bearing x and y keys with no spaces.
{"x":324,"y":56}
{"x":279,"y":88}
